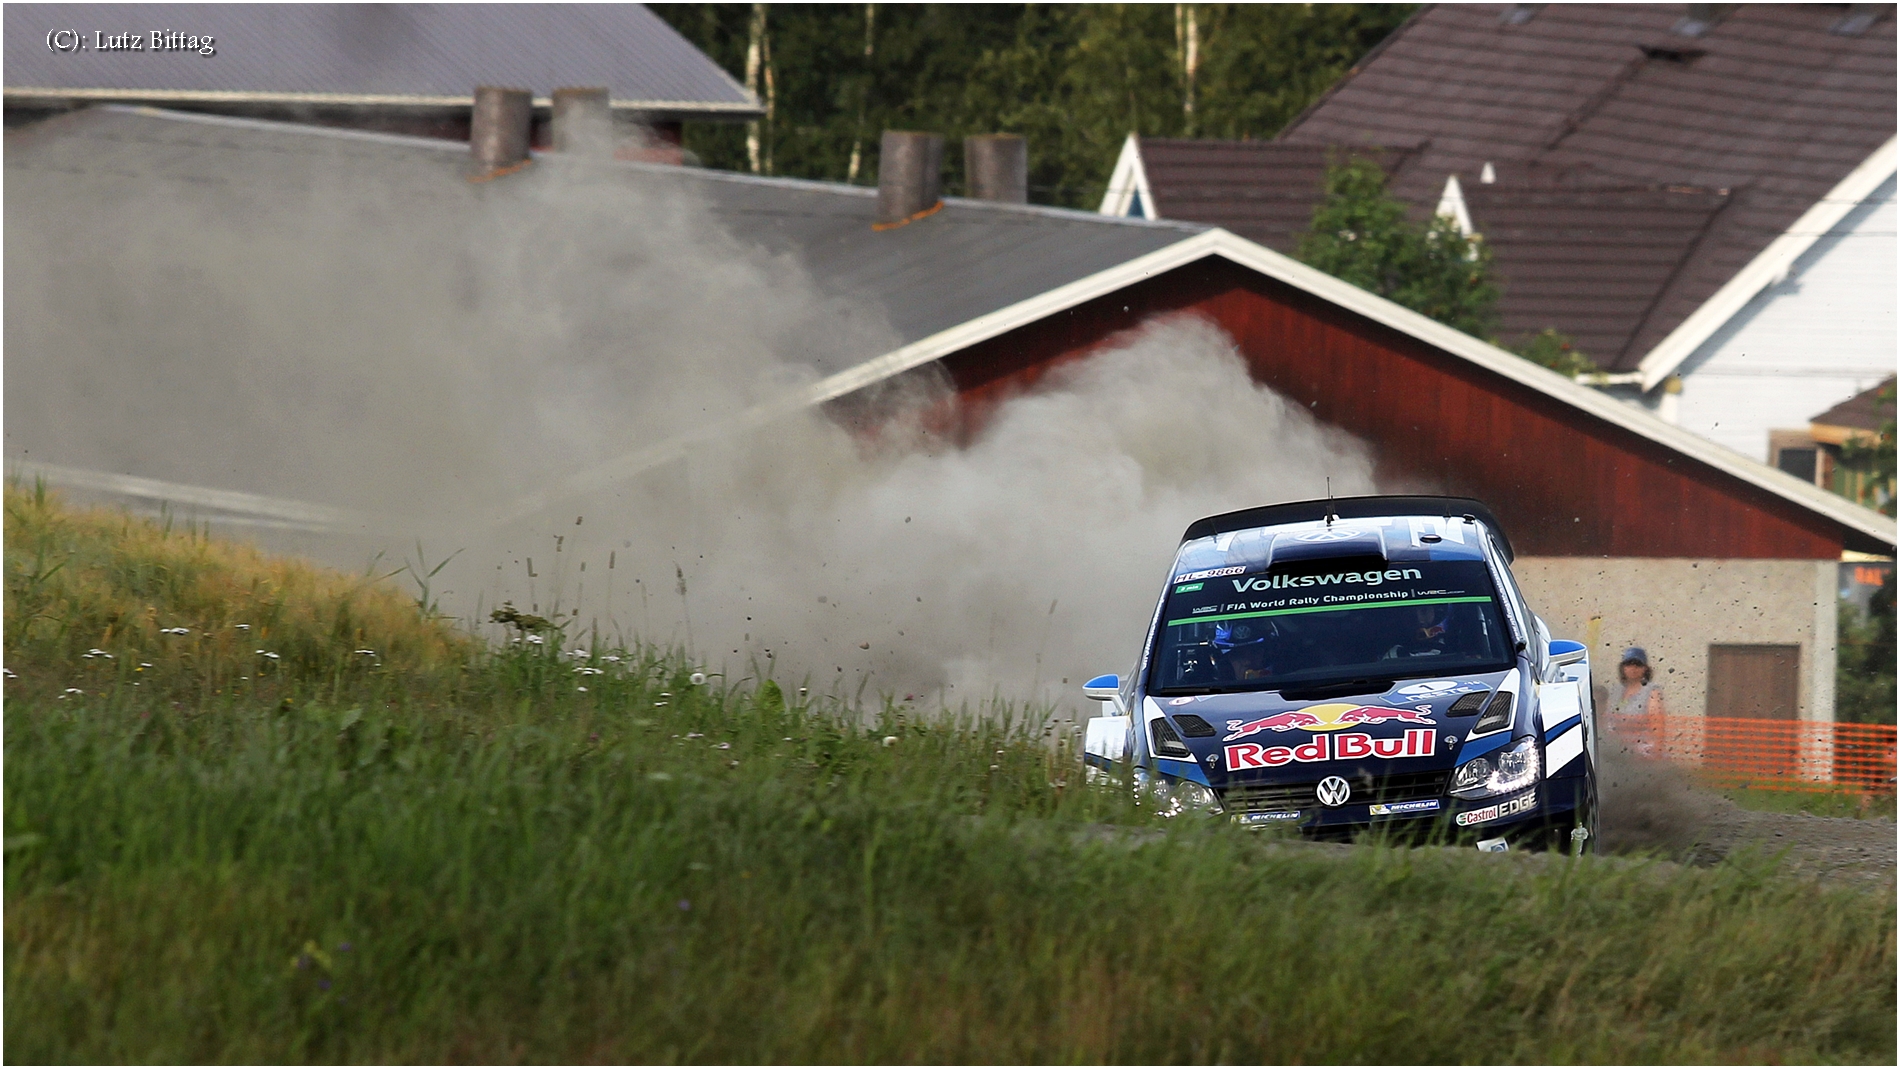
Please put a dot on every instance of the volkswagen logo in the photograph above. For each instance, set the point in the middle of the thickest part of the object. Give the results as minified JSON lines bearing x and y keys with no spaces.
{"x":1330,"y":534}
{"x":1333,"y":791}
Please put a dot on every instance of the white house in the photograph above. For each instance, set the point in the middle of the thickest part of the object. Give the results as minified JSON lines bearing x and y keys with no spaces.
{"x":1806,"y":325}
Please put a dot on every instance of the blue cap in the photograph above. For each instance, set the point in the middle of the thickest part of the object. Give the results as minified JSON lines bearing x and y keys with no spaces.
{"x":1635,"y":655}
{"x":1228,"y":636}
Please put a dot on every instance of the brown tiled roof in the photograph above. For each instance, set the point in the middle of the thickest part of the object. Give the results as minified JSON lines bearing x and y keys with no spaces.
{"x":1265,"y":191}
{"x":1863,"y":411}
{"x":1587,"y":261}
{"x":1768,"y":104}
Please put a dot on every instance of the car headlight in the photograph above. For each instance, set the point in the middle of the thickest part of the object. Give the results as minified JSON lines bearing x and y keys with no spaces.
{"x":1175,"y":797}
{"x":1511,"y":769}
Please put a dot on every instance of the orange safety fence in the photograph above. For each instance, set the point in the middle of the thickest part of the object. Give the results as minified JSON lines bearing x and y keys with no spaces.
{"x":1792,"y":755}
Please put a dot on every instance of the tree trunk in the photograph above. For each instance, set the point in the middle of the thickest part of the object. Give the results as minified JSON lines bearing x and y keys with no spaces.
{"x":864,"y":94}
{"x":1187,"y":43}
{"x":754,"y":54}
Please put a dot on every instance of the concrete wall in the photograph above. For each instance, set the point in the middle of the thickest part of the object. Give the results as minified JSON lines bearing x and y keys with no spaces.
{"x":1677,"y":608}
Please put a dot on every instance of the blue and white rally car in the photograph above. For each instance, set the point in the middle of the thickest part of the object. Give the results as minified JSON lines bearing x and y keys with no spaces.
{"x":1337,"y":665}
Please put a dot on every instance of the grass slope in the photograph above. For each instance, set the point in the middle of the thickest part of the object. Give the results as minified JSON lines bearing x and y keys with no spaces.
{"x":464,"y":855}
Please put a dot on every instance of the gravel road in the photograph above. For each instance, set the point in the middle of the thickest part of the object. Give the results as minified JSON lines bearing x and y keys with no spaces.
{"x":1652,"y":807}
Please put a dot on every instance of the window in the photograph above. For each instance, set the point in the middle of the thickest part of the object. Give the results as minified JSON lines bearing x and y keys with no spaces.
{"x":1327,"y":620}
{"x":1797,"y":462}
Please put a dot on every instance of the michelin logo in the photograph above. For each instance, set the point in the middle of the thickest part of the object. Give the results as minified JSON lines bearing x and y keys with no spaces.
{"x":1266,"y":818}
{"x":1393,"y":809}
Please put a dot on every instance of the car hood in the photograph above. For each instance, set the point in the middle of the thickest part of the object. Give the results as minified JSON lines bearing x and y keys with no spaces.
{"x":1260,"y":736}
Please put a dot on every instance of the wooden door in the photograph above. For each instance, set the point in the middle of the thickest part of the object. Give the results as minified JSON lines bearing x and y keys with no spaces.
{"x":1753,"y":683}
{"x":1757,"y":682}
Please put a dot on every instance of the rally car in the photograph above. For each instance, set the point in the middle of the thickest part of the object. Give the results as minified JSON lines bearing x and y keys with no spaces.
{"x":1341,"y":665}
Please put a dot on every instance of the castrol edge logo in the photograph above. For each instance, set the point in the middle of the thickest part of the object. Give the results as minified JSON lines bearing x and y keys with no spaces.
{"x":1345,"y":746}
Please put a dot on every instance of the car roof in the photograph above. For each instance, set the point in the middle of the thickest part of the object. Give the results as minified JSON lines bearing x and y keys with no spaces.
{"x":1377,"y":506}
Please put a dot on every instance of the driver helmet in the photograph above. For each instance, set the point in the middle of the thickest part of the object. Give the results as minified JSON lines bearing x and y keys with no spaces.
{"x":1229,"y":637}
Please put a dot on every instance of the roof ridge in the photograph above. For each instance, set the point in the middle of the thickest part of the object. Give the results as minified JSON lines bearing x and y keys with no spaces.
{"x":672,"y":170}
{"x":342,"y":133}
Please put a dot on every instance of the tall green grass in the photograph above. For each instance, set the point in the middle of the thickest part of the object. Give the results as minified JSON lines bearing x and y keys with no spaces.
{"x":480,"y":860}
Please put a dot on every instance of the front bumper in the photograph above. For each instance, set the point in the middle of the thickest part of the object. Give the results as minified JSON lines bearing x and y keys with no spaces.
{"x":1530,"y":813}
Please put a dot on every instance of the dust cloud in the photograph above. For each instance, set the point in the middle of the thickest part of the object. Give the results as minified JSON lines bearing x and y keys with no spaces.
{"x":344,"y":323}
{"x":1649,"y":805}
{"x":1031,"y":556}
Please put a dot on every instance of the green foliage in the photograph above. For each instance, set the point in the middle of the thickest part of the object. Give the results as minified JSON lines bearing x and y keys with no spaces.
{"x":1361,"y":234}
{"x":1865,"y":472}
{"x":1555,"y":350}
{"x":1864,"y":666}
{"x":1074,"y":79}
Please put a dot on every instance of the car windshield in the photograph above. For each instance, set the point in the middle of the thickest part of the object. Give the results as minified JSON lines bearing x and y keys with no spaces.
{"x":1317,"y":622}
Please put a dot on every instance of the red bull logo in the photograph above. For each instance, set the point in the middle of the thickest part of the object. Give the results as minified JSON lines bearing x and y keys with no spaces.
{"x":1329,"y":717}
{"x":1346,"y":746}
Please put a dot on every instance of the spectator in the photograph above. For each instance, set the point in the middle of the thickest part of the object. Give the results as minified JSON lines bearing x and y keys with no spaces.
{"x":1640,"y":696}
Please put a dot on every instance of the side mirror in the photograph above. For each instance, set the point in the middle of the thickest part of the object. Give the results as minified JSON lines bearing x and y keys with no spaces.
{"x":1563,"y":651}
{"x":1102,"y":688}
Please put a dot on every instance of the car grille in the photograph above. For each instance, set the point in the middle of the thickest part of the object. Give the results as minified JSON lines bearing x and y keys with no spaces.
{"x":1403,"y":787}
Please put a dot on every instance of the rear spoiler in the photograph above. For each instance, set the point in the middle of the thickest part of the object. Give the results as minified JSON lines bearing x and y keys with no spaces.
{"x":1351,"y":508}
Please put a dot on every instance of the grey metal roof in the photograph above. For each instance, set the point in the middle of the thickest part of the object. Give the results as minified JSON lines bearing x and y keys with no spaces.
{"x":969,"y":259}
{"x":222,"y":203}
{"x":369,"y":53}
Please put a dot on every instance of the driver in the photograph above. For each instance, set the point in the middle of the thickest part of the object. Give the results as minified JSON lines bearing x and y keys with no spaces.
{"x":1427,"y":629}
{"x":1245,"y":650}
